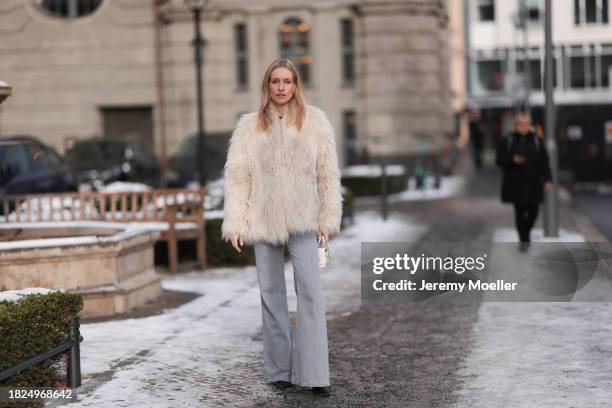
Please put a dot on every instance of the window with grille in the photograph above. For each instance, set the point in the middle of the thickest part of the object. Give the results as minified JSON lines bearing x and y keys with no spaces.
{"x":348,"y":50}
{"x":295,"y":46}
{"x":590,"y":12}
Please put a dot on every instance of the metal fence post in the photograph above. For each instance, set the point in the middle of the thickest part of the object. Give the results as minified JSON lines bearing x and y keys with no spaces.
{"x":384,"y":190}
{"x":74,"y":366}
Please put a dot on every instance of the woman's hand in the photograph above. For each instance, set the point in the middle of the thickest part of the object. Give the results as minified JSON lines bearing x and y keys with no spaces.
{"x":237,"y":241}
{"x":547,"y":185}
{"x":519,"y":159}
{"x":322,"y":237}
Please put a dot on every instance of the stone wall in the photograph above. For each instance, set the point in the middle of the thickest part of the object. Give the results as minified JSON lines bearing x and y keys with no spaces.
{"x":403,"y":74}
{"x":63,"y":72}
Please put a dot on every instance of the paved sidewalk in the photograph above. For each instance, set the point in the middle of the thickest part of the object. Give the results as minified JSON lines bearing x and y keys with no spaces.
{"x":474,"y":355}
{"x":208,"y":352}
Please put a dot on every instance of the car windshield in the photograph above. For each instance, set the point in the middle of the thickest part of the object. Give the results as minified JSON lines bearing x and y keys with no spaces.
{"x":189,"y":147}
{"x":93,"y":154}
{"x":14,"y":159}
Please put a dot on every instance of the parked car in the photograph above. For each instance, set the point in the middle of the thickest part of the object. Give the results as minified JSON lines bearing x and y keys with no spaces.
{"x":29,"y":166}
{"x":183,"y":164}
{"x":97,"y":162}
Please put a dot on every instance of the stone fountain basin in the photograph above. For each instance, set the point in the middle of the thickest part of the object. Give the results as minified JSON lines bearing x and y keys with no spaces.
{"x":109,"y":264}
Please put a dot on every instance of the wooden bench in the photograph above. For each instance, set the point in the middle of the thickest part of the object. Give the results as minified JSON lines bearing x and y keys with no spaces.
{"x":177,"y":213}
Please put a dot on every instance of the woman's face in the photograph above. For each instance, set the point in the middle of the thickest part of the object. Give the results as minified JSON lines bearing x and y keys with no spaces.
{"x":281,"y":86}
{"x":522,"y":126}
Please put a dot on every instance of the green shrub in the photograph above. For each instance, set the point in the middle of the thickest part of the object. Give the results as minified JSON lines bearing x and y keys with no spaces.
{"x":364,"y":186}
{"x":219,"y":252}
{"x":32,"y":325}
{"x":347,"y":205}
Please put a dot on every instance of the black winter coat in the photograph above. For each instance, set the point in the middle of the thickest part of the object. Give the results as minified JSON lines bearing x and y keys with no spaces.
{"x":523,"y":184}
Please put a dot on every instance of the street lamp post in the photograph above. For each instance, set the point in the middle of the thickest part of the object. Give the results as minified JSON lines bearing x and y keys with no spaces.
{"x":551,"y":207}
{"x":524,"y":24}
{"x":198,"y":44}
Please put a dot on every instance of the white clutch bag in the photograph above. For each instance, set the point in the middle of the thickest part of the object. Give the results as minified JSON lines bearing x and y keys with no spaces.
{"x":324,"y":255}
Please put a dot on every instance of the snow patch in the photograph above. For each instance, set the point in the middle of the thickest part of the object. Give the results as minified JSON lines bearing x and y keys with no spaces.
{"x":15,"y":295}
{"x":449,"y":187}
{"x":124,"y":187}
{"x":373,"y":170}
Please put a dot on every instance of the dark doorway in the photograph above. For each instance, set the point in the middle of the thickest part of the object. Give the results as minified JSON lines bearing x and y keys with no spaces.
{"x":133,"y":125}
{"x":350,"y":136}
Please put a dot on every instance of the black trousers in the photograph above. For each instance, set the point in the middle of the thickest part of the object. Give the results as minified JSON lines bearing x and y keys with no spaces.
{"x":525,"y":216}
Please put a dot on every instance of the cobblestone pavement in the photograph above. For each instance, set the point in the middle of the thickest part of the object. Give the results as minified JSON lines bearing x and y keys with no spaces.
{"x":397,"y":355}
{"x":407,"y":355}
{"x":417,"y":355}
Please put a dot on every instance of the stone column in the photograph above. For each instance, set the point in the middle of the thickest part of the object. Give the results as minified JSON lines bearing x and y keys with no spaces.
{"x":403,"y":98}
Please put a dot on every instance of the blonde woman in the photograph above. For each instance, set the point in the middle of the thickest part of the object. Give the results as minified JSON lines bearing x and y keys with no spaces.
{"x":282,"y":187}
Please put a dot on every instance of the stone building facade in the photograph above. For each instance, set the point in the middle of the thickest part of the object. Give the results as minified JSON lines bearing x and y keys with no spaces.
{"x":124,"y":68}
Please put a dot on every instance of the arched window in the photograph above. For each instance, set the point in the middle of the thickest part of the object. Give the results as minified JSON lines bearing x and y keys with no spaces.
{"x":69,"y":8}
{"x":295,"y":46}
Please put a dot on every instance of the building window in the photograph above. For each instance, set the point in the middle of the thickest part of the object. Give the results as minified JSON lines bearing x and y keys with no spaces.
{"x":242,"y":59}
{"x":349,"y":120}
{"x":69,"y":8}
{"x":348,"y":50}
{"x":533,"y":10}
{"x":486,"y":10}
{"x":606,"y":66}
{"x":582,"y":66}
{"x":535,"y":72}
{"x":590,"y":12}
{"x":490,"y":76}
{"x":295,"y":46}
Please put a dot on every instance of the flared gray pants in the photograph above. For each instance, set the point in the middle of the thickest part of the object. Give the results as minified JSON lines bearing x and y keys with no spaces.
{"x":305,"y":360}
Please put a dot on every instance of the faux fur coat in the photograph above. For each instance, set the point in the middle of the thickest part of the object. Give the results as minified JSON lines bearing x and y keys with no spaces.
{"x":283,"y":180}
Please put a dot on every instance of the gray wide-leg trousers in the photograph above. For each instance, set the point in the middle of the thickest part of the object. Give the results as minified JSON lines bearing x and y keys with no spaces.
{"x":305,"y":362}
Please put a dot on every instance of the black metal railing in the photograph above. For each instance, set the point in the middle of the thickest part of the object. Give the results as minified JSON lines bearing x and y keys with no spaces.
{"x":74,"y":360}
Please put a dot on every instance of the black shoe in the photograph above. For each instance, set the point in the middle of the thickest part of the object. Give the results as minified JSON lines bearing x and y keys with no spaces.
{"x":322,"y":391}
{"x":282,"y":385}
{"x":524,"y":246}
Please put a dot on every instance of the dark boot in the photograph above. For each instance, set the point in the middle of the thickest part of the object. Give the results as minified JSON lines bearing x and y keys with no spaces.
{"x":282,"y":385}
{"x":322,"y":391}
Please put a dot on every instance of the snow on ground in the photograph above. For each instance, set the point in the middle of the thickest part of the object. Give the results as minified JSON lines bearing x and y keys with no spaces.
{"x":126,"y":231}
{"x":373,"y":170}
{"x":449,"y":186}
{"x":188,"y":352}
{"x":533,"y":354}
{"x":50,"y":209}
{"x":539,"y":354}
{"x":124,"y":187}
{"x":15,"y":295}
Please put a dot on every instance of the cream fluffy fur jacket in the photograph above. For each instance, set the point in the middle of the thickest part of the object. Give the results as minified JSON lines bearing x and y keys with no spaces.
{"x":282,"y":181}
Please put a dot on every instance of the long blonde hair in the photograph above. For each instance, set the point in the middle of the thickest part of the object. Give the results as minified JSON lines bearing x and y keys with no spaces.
{"x":296,"y":111}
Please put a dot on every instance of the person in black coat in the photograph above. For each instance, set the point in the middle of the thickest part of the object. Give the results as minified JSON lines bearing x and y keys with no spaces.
{"x":524,"y":161}
{"x":476,"y":137}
